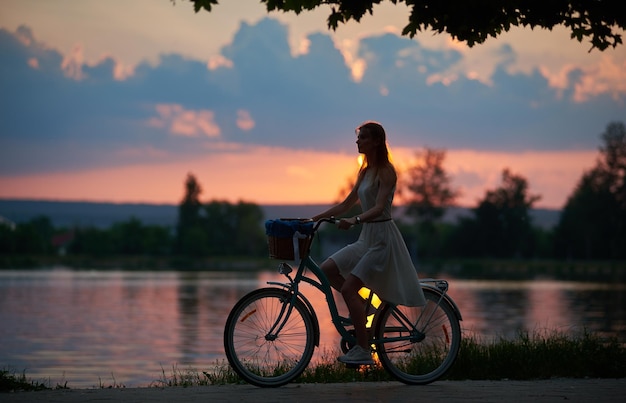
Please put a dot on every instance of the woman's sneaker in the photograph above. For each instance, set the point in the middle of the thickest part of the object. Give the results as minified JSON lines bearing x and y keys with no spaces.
{"x":357,"y":355}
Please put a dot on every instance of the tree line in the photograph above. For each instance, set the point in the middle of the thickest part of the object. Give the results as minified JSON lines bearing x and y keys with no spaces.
{"x":592,"y":225}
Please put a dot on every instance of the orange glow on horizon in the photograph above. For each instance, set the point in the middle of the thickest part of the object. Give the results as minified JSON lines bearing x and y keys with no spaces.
{"x":277,"y":176}
{"x":263,"y":176}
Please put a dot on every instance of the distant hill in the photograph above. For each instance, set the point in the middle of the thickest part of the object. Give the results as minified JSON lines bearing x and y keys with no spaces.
{"x":103,"y":215}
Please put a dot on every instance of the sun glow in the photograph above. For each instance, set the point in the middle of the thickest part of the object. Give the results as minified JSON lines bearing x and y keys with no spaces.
{"x":301,"y":177}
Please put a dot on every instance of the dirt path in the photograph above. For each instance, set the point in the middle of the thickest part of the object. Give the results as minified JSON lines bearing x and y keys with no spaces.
{"x":556,"y":390}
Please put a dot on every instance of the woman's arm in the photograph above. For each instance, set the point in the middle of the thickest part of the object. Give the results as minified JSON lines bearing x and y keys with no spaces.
{"x":387,"y":180}
{"x":344,"y":206}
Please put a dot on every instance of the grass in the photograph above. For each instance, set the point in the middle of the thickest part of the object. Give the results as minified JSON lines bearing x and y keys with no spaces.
{"x":12,"y":382}
{"x":539,"y":356}
{"x":527,"y":357}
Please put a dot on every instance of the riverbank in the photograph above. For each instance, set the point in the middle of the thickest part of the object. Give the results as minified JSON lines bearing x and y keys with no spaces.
{"x":483,"y":269}
{"x":572,"y":390}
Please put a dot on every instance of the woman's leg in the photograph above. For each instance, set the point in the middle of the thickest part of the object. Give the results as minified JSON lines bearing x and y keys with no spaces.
{"x":330,"y":269}
{"x":354,"y":302}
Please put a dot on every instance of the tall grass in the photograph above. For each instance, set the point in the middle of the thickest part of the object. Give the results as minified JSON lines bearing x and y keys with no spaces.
{"x":540,"y":356}
{"x":527,"y":357}
{"x":12,"y":382}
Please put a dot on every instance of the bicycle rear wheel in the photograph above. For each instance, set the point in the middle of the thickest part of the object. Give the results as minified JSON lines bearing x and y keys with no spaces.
{"x":261,"y":346}
{"x":418,"y":345}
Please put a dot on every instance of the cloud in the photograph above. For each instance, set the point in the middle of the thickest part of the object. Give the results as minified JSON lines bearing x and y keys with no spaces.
{"x":72,"y":65}
{"x":606,"y":77}
{"x":62,"y":113}
{"x":244,"y":120}
{"x":182,"y":122}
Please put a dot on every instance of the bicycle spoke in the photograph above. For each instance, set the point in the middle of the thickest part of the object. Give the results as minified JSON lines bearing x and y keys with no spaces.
{"x":263,"y":358}
{"x":418,"y":344}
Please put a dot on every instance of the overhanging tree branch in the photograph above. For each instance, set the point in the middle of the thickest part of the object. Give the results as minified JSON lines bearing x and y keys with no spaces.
{"x":473,"y":22}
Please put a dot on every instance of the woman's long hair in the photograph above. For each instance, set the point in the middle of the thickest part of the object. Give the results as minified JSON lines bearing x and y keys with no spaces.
{"x":377,"y":132}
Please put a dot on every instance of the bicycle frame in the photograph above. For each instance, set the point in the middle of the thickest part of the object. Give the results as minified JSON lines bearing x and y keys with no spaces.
{"x":322,"y":283}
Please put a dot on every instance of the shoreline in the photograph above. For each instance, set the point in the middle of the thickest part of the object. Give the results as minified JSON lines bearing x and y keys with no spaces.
{"x":575,"y":390}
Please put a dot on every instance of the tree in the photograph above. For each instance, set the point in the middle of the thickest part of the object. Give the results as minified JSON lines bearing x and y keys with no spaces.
{"x":132,"y":237}
{"x":218,"y":228}
{"x":189,"y":217}
{"x":504,"y":219}
{"x":235,"y":230}
{"x":93,"y":242}
{"x":32,"y":237}
{"x":613,"y":163}
{"x":501,"y":226}
{"x":427,"y":189}
{"x":127,"y":237}
{"x":473,"y":22}
{"x":593,"y":222}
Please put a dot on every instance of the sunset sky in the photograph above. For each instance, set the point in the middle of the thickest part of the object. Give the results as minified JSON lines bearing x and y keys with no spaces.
{"x":119,"y":100}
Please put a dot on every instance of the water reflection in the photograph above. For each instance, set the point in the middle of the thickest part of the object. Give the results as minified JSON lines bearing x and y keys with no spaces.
{"x":93,"y":328}
{"x":495,"y":309}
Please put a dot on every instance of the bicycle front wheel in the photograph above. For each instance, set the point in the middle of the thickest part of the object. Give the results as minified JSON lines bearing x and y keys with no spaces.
{"x":418,"y":345}
{"x":267,"y":343}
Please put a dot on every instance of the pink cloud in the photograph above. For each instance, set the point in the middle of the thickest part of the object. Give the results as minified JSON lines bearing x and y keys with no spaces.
{"x":607,"y":76}
{"x":244,"y":120}
{"x":33,"y":63}
{"x":184,"y":122}
{"x":72,"y":64}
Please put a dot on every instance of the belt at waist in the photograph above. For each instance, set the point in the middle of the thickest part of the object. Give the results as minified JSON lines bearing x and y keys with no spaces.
{"x":377,"y":221}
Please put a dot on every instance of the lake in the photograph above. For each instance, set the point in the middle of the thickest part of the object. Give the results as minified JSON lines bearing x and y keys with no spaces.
{"x":84,"y":329}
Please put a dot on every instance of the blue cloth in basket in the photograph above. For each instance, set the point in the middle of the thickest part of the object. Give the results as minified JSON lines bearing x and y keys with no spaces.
{"x":286,"y":228}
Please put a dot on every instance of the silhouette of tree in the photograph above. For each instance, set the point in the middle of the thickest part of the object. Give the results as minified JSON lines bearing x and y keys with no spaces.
{"x":427,"y":187}
{"x":92,"y":241}
{"x":504,"y":219}
{"x":427,"y":190}
{"x":132,"y":237}
{"x":501,"y":226}
{"x":189,"y":234}
{"x":127,"y":237}
{"x":593,"y":222}
{"x":473,"y":22}
{"x":31,"y":237}
{"x":235,"y":229}
{"x":218,"y":228}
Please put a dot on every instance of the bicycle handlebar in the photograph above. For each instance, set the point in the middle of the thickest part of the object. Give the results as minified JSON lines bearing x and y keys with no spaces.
{"x":332,"y":220}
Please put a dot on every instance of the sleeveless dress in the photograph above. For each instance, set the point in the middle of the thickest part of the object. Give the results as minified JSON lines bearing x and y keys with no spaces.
{"x":380,"y":257}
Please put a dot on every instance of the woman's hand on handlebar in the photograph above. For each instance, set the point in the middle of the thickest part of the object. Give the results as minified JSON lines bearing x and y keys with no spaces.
{"x":346,"y":223}
{"x":341,"y":223}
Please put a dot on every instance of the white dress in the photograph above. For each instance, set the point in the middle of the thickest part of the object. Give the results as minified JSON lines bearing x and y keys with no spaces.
{"x":380,"y":257}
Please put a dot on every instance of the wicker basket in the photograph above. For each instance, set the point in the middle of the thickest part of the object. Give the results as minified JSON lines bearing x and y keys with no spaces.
{"x":282,"y":248}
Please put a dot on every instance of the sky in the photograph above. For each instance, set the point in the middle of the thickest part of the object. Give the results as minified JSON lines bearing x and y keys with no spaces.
{"x":119,"y":101}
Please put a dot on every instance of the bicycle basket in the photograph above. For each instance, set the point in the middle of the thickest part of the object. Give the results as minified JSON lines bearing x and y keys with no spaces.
{"x":288,"y":239}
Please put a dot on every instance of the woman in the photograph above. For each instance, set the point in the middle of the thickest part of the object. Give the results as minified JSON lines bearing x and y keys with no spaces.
{"x":379,"y":259}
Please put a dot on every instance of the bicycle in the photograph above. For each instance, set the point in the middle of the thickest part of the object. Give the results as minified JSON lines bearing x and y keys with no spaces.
{"x":271,"y":333}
